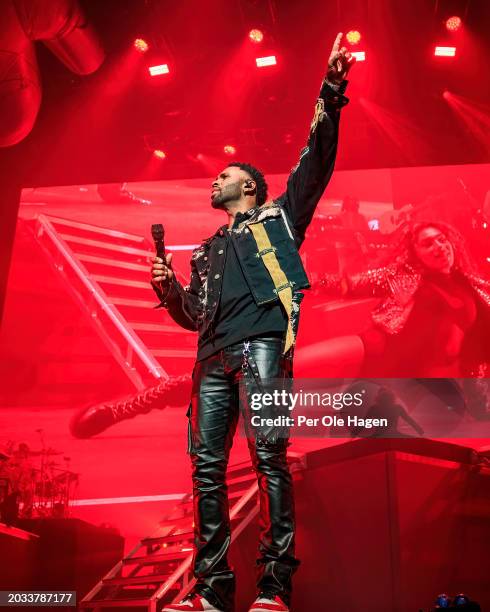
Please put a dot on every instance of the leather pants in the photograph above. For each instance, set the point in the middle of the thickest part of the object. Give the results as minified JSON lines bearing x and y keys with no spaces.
{"x":222,"y":387}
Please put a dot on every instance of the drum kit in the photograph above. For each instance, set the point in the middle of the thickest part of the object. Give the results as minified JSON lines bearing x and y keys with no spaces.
{"x":42,"y":485}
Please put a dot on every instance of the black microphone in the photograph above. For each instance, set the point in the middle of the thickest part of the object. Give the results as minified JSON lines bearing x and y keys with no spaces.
{"x":158,"y":234}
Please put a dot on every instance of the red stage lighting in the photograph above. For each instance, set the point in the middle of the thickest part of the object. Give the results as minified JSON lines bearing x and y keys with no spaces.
{"x":453,"y":23}
{"x":359,"y":55}
{"x":256,"y":36}
{"x":158,"y":70}
{"x":270,"y":60}
{"x":159,"y":154}
{"x":353,"y":37}
{"x":141,"y":45}
{"x":445,"y":51}
{"x":229,"y":150}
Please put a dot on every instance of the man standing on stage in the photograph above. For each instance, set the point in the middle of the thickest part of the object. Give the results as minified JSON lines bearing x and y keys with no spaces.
{"x":243,"y":298}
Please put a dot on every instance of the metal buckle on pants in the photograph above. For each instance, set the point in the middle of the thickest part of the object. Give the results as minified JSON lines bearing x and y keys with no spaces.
{"x":246,"y":355}
{"x":248,"y":363}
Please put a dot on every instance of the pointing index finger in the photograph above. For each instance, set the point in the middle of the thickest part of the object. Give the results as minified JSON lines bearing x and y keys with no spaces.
{"x":336,"y":44}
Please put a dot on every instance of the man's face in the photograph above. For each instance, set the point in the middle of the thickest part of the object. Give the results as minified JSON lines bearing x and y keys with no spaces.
{"x":227,"y":187}
{"x":434,"y":250}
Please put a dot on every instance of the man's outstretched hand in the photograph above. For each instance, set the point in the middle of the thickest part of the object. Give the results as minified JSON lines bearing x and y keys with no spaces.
{"x":339,"y":62}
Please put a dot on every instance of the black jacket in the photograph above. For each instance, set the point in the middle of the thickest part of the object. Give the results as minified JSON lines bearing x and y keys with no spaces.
{"x":284,"y":219}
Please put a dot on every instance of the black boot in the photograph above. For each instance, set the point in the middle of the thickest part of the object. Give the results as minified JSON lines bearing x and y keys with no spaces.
{"x":92,"y":420}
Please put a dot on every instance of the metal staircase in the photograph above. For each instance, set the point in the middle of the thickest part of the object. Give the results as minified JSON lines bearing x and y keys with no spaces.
{"x":158,"y":570}
{"x":107,"y":273}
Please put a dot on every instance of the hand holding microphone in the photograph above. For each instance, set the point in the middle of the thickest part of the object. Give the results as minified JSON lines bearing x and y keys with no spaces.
{"x":161,"y":270}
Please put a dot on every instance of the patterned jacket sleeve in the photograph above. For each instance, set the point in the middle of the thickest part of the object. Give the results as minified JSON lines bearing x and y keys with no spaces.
{"x":183,"y":303}
{"x":378,"y":282}
{"x":310,"y":176}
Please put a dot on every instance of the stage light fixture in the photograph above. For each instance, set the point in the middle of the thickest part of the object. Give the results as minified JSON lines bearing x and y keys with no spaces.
{"x":453,"y":23}
{"x":256,"y":36}
{"x":229,"y":150}
{"x":359,"y":55}
{"x":353,"y":37}
{"x":443,"y":601}
{"x":461,"y":600}
{"x":269,"y":60}
{"x":141,"y":45}
{"x":445,"y":51}
{"x":158,"y":70}
{"x":159,"y":154}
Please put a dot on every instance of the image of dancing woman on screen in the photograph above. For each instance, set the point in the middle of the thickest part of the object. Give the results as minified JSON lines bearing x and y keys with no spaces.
{"x":431,"y":320}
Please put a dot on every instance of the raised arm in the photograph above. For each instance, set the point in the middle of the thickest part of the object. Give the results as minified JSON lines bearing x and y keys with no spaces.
{"x":311,"y":175}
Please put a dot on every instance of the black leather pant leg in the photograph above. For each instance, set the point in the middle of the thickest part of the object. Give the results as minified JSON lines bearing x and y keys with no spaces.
{"x":213,"y":418}
{"x":220,"y":387}
{"x":276,"y":563}
{"x":268,"y":450}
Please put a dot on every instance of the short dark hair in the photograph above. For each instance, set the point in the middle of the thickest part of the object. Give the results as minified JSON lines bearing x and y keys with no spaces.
{"x":258,"y":177}
{"x":404,"y":251}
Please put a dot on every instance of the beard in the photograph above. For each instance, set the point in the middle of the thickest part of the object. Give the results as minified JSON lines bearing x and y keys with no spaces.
{"x":230,"y":193}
